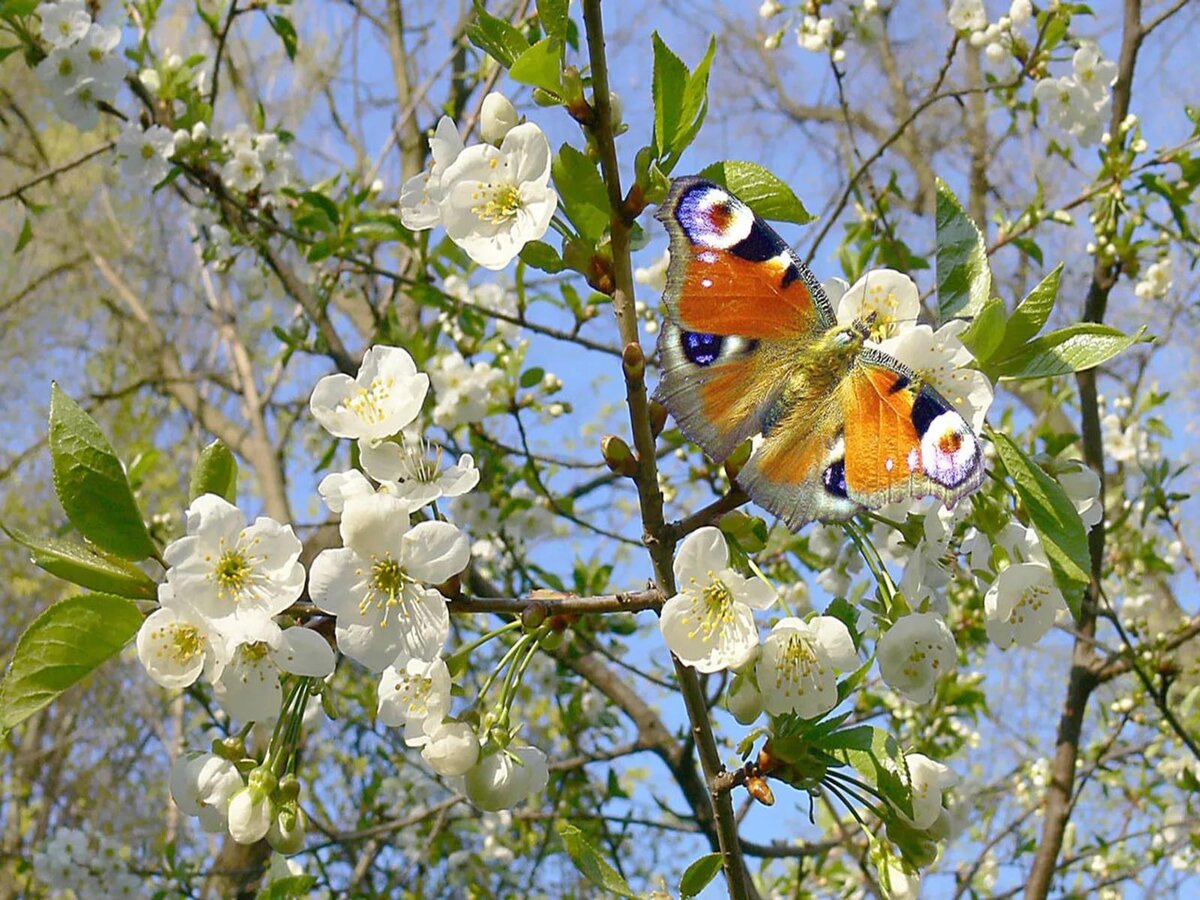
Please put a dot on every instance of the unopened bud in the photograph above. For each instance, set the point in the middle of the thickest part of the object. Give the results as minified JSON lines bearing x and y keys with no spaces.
{"x":287,"y":831}
{"x":760,"y":790}
{"x":658,"y":417}
{"x":633,"y":361}
{"x":618,"y":456}
{"x":230,"y":748}
{"x":497,"y":117}
{"x":533,"y":616}
{"x":289,"y":787}
{"x":737,"y":459}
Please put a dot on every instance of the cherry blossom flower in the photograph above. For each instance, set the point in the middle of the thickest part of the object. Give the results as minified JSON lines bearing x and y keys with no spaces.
{"x":249,"y":815}
{"x":380,"y":401}
{"x":464,"y":392}
{"x":243,"y":171}
{"x":413,"y":692}
{"x":914,"y":653}
{"x":227,"y":569}
{"x":1082,"y":487}
{"x":967,"y":15}
{"x":248,"y":684}
{"x":176,"y":643}
{"x":890,"y":295}
{"x":928,"y":779}
{"x":1093,"y":72}
{"x":709,"y":623}
{"x":373,"y":584}
{"x":743,"y":699}
{"x":797,"y":670}
{"x":497,"y":117}
{"x":201,"y":785}
{"x":64,"y":22}
{"x":412,"y":470}
{"x":941,"y":359}
{"x":1021,"y":604}
{"x":421,"y":195}
{"x":452,"y":748}
{"x":503,"y":779}
{"x":144,"y":154}
{"x":495,"y":200}
{"x":338,"y":487}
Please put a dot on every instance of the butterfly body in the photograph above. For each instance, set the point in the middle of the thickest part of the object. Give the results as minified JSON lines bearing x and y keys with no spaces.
{"x":751,"y":346}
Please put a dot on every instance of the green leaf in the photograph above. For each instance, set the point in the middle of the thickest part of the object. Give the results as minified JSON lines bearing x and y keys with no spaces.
{"x":697,"y":876}
{"x":581,"y":192}
{"x":963,"y":277}
{"x":554,"y":16}
{"x":215,"y":473}
{"x":694,"y":105}
{"x":986,"y":333}
{"x":62,"y":646}
{"x":1030,"y":315}
{"x":588,"y":860}
{"x":496,"y":37}
{"x":541,"y":66}
{"x":79,"y":565}
{"x":542,"y":256}
{"x":882,"y":763}
{"x":283,"y":27}
{"x":1071,"y":349}
{"x":670,"y":82}
{"x":530,"y":377}
{"x":25,"y":236}
{"x":767,"y":195}
{"x":291,"y":887}
{"x":1053,"y":517}
{"x":91,"y":482}
{"x":859,"y":737}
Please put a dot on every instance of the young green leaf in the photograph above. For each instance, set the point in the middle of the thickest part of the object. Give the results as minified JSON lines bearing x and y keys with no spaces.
{"x":1030,"y":315}
{"x":91,"y":482}
{"x":964,"y":280}
{"x":1053,"y":517}
{"x":694,"y":103}
{"x":496,"y":37}
{"x":542,"y":256}
{"x":79,"y":565}
{"x":588,"y":860}
{"x":25,"y":236}
{"x":767,"y":195}
{"x":554,"y":16}
{"x":215,"y":473}
{"x":541,"y":66}
{"x":882,"y":763}
{"x":283,"y":27}
{"x":697,"y":876}
{"x":1071,"y":349}
{"x":62,"y":646}
{"x":986,"y":333}
{"x":670,"y":82}
{"x":581,"y":192}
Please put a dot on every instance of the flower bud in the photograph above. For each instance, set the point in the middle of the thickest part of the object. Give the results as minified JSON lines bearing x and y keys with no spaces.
{"x":618,"y":456}
{"x":744,"y":700}
{"x":533,"y":616}
{"x":505,"y":778}
{"x":758,"y":788}
{"x":287,"y":832}
{"x":289,"y":787}
{"x":497,"y":117}
{"x":249,"y":815}
{"x":658,"y":417}
{"x":633,"y":361}
{"x":452,"y":750}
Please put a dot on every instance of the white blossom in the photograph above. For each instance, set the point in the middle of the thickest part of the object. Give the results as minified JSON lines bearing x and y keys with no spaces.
{"x":1156,"y":282}
{"x":709,"y":623}
{"x":373,"y":584}
{"x":452,"y":748}
{"x":889,"y":295}
{"x":928,"y":779}
{"x":413,"y":692}
{"x":243,"y":171}
{"x":338,"y":487}
{"x":227,"y":569}
{"x":64,"y":22}
{"x":175,"y":642}
{"x":421,"y":195}
{"x":248,"y":685}
{"x":144,"y":154}
{"x":412,"y":470}
{"x":797,"y":672}
{"x":654,"y":276}
{"x":380,"y":401}
{"x":497,"y":117}
{"x":744,"y":700}
{"x":1021,"y":604}
{"x":201,"y":785}
{"x":495,"y":200}
{"x":967,"y":15}
{"x":249,"y":815}
{"x":464,"y":392}
{"x":503,"y":779}
{"x":914,"y":653}
{"x":1082,"y":486}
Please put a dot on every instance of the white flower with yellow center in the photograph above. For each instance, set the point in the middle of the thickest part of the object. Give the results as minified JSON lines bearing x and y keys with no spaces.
{"x":914,"y":653}
{"x":940,"y":358}
{"x":709,"y":624}
{"x":176,"y":643}
{"x":797,"y":672}
{"x":412,"y":470}
{"x":890,"y":296}
{"x":64,"y":23}
{"x":373,"y":585}
{"x":414,"y":693}
{"x":144,"y":154}
{"x":495,"y":200}
{"x":229,"y":570}
{"x":380,"y":401}
{"x":927,"y":779}
{"x":1021,"y":604}
{"x":465,"y":392}
{"x":248,"y":685}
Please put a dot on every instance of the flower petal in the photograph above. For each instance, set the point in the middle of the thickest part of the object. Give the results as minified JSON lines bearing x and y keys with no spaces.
{"x":303,"y":651}
{"x":435,"y":552}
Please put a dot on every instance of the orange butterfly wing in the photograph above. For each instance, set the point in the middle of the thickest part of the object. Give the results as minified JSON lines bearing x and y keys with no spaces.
{"x":736,"y":296}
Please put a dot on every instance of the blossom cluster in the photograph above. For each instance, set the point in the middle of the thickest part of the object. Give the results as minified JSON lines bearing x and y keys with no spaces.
{"x":91,"y":867}
{"x":1076,"y":104}
{"x":822,"y":27}
{"x":82,"y":68}
{"x":970,"y":18}
{"x":492,"y":198}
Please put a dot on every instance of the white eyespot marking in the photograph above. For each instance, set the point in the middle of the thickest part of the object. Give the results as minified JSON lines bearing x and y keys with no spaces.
{"x":889,"y":463}
{"x":712,"y":218}
{"x":706,"y":256}
{"x":914,"y":460}
{"x":948,"y":450}
{"x":706,"y":282}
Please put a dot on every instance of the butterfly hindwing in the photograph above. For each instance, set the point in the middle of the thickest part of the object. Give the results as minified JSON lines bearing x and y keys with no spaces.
{"x":735,"y":296}
{"x":903,"y":438}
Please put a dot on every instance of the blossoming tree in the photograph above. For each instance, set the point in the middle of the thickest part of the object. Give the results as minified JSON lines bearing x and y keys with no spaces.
{"x":373,"y":569}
